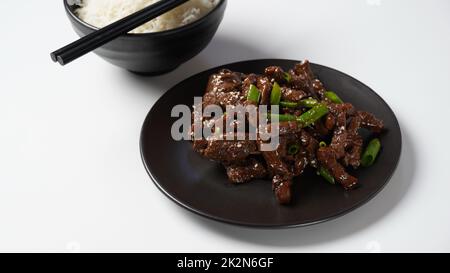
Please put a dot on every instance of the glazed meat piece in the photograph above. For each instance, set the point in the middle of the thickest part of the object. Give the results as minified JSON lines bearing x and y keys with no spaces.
{"x":282,"y":177}
{"x":275,"y":164}
{"x":282,"y":189}
{"x":327,"y":158}
{"x":288,"y":128}
{"x":370,"y":122}
{"x":301,"y":162}
{"x":289,"y":94}
{"x":229,"y":151}
{"x":224,"y":88}
{"x":247,"y":171}
{"x":224,"y":81}
{"x":310,"y":144}
{"x":347,"y":108}
{"x":303,"y":78}
{"x":275,"y":73}
{"x":330,"y":122}
{"x":265,"y":87}
{"x":319,"y":88}
{"x":353,"y":156}
{"x":339,"y":141}
{"x":354,"y":144}
{"x":249,"y":80}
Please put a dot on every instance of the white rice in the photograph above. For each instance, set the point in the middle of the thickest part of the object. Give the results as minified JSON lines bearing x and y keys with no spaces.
{"x":100,"y":13}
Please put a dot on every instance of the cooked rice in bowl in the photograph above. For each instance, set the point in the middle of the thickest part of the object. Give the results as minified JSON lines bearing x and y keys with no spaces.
{"x":100,"y":13}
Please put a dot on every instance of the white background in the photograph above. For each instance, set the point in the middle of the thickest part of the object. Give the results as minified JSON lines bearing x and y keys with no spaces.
{"x":71,"y":177}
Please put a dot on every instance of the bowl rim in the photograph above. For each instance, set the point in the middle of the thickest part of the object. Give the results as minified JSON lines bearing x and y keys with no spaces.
{"x":197,"y":22}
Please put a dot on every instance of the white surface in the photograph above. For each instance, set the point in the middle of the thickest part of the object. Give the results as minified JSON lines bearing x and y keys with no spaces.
{"x":70,"y":171}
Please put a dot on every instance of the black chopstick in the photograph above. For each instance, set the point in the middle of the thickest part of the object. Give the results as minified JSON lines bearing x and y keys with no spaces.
{"x":104,"y":35}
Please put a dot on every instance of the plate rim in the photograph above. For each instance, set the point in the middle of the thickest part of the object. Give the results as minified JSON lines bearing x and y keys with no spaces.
{"x":355,"y":206}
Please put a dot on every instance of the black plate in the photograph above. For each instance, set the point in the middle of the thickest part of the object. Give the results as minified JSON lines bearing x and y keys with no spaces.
{"x":202,"y":186}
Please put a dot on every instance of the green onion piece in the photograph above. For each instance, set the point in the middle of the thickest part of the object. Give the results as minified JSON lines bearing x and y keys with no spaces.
{"x":288,"y":104}
{"x":293,"y":149}
{"x":322,"y":144}
{"x":326,"y":175}
{"x":371,"y":152}
{"x":254,"y":94}
{"x":282,"y":118}
{"x":308,"y":103}
{"x":313,"y":115}
{"x":275,"y":95}
{"x":287,"y":77}
{"x":333,"y":97}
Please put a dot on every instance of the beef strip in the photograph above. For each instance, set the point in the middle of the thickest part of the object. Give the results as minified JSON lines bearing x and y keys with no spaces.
{"x":229,"y":151}
{"x":370,"y":122}
{"x":244,"y":172}
{"x":282,"y":188}
{"x":289,"y":94}
{"x":282,"y":177}
{"x":301,"y":162}
{"x":339,"y":141}
{"x":330,"y":121}
{"x":310,"y":144}
{"x":354,"y":144}
{"x":303,"y":78}
{"x":265,"y":87}
{"x":275,"y":73}
{"x":224,"y":88}
{"x":288,"y":128}
{"x":327,"y":159}
{"x":249,"y":80}
{"x":319,"y":88}
{"x":224,"y":81}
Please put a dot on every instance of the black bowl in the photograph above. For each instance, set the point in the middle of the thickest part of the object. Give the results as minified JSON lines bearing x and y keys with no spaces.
{"x":154,"y":53}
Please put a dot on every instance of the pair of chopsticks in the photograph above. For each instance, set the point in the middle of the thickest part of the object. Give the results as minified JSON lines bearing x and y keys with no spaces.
{"x":104,"y":35}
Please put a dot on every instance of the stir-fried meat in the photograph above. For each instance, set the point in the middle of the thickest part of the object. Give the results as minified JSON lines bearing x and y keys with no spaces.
{"x":224,"y":81}
{"x":327,"y":158}
{"x":319,"y":88}
{"x":310,"y":144}
{"x":282,"y":177}
{"x":353,"y":155}
{"x":282,"y":189}
{"x":339,"y":141}
{"x":303,"y":78}
{"x":251,"y":79}
{"x":275,"y":73}
{"x":354,"y":144}
{"x":320,"y":130}
{"x":224,"y":88}
{"x":265,"y":87}
{"x":229,"y":151}
{"x":337,"y":129}
{"x":301,"y":162}
{"x":330,"y":122}
{"x":370,"y":122}
{"x":289,"y":94}
{"x":288,"y":128}
{"x":346,"y":108}
{"x":275,"y":164}
{"x":247,"y":171}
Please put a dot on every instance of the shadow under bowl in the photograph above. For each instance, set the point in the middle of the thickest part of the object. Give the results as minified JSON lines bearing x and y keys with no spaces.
{"x":154,"y":53}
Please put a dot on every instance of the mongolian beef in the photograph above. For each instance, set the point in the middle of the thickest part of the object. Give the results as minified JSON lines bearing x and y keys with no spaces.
{"x":316,"y":129}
